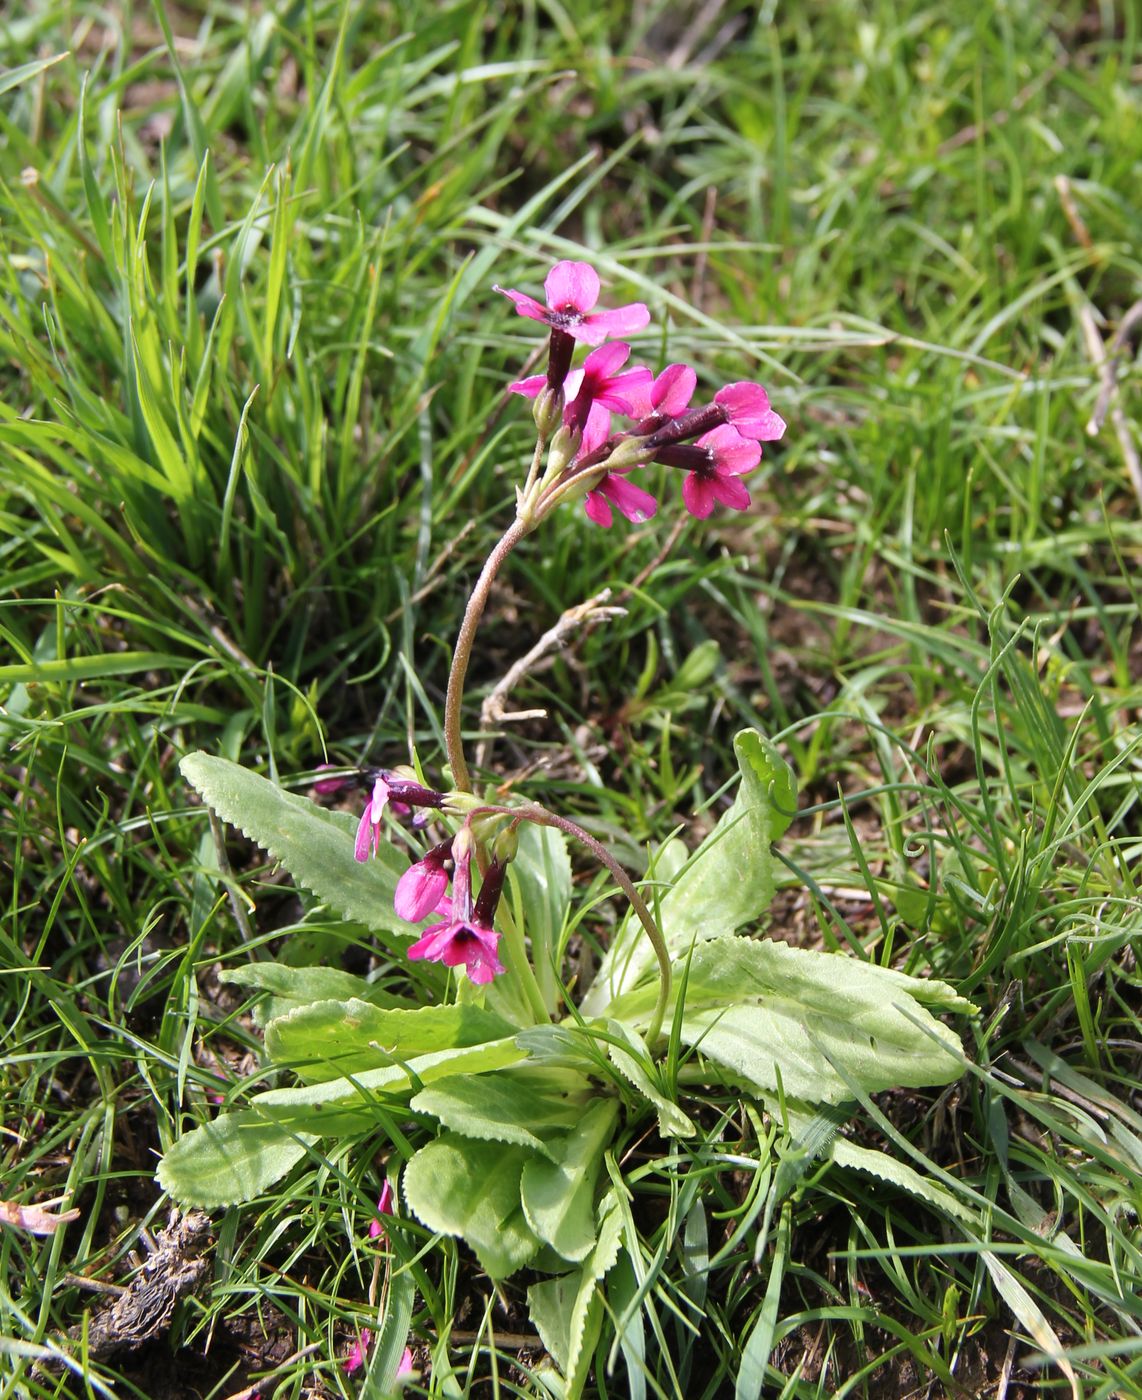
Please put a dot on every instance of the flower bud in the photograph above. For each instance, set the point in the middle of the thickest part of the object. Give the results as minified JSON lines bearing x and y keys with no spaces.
{"x":506,"y":844}
{"x":630,"y":452}
{"x":547,"y":410}
{"x":561,"y":453}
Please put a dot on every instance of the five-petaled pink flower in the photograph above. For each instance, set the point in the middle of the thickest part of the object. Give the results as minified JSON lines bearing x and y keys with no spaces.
{"x":714,"y":476}
{"x":384,"y":1207}
{"x":369,"y":829}
{"x":606,"y":384}
{"x":461,"y":942}
{"x":572,"y":290}
{"x":422,"y":886}
{"x":614,"y":489}
{"x":747,"y":409}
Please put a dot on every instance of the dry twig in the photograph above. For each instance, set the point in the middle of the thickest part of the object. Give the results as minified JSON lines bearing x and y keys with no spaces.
{"x":582,"y":617}
{"x":1104,"y":364}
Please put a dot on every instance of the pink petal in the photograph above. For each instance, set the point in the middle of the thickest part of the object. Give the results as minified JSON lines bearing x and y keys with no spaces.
{"x":770,"y":427}
{"x":747,"y":408}
{"x":619,"y":393}
{"x":635,"y":503}
{"x":405,"y":1362}
{"x":596,"y":431}
{"x":483,"y":964}
{"x":384,"y":1207}
{"x":530,"y":388}
{"x":431,"y":943}
{"x":525,"y":305}
{"x":606,"y":361}
{"x":597,"y":509}
{"x":623,"y":320}
{"x":673,"y":390}
{"x":732,"y":452}
{"x":357,"y":1353}
{"x":366,"y":837}
{"x":730,"y":491}
{"x":572,"y":286}
{"x":418,"y":891}
{"x":698,"y":493}
{"x":641,"y":400}
{"x":327,"y":787}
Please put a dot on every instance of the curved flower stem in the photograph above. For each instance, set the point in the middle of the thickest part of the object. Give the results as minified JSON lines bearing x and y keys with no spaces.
{"x":542,"y":817}
{"x":454,"y":700}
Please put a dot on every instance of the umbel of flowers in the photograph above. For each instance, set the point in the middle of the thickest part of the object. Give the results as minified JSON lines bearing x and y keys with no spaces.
{"x":599,"y":424}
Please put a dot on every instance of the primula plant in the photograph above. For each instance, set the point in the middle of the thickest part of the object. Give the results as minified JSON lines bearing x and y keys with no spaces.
{"x":526,"y":1077}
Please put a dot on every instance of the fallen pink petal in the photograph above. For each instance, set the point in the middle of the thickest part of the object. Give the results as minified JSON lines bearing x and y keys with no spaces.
{"x":36,"y":1219}
{"x":358,"y":1352}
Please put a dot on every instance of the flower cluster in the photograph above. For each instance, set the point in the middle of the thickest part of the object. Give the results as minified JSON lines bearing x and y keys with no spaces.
{"x":715,"y":444}
{"x":464,"y":936}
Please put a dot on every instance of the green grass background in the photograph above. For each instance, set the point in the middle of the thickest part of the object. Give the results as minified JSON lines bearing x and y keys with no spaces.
{"x":253,"y":447}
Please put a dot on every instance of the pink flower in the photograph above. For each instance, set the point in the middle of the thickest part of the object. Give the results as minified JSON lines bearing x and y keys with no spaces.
{"x":605,"y":386}
{"x":357,"y":1353}
{"x":421,"y":887}
{"x":384,"y":1207}
{"x":728,"y":455}
{"x":461,"y":941}
{"x":747,"y":409}
{"x":369,"y":830}
{"x":572,"y":290}
{"x":667,"y":397}
{"x":328,"y":787}
{"x":593,"y":391}
{"x":405,"y":1366}
{"x":598,"y":426}
{"x":637,"y":505}
{"x":466,"y":937}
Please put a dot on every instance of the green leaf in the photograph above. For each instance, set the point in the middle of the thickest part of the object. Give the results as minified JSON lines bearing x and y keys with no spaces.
{"x":287,"y":988}
{"x":631,"y":1062}
{"x":314,"y":845}
{"x":880,"y":1164}
{"x":229,"y":1160}
{"x":499,"y":1108}
{"x":824,"y":1021}
{"x":389,"y":1343}
{"x":550,"y":1305}
{"x":331,"y":1039}
{"x":541,"y":873}
{"x":751,"y":1374}
{"x":13,"y":77}
{"x":1010,"y":1288}
{"x":559,"y":1195}
{"x":568,"y":1311}
{"x":726,"y":883}
{"x":340,"y":1105}
{"x":471,"y":1190}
